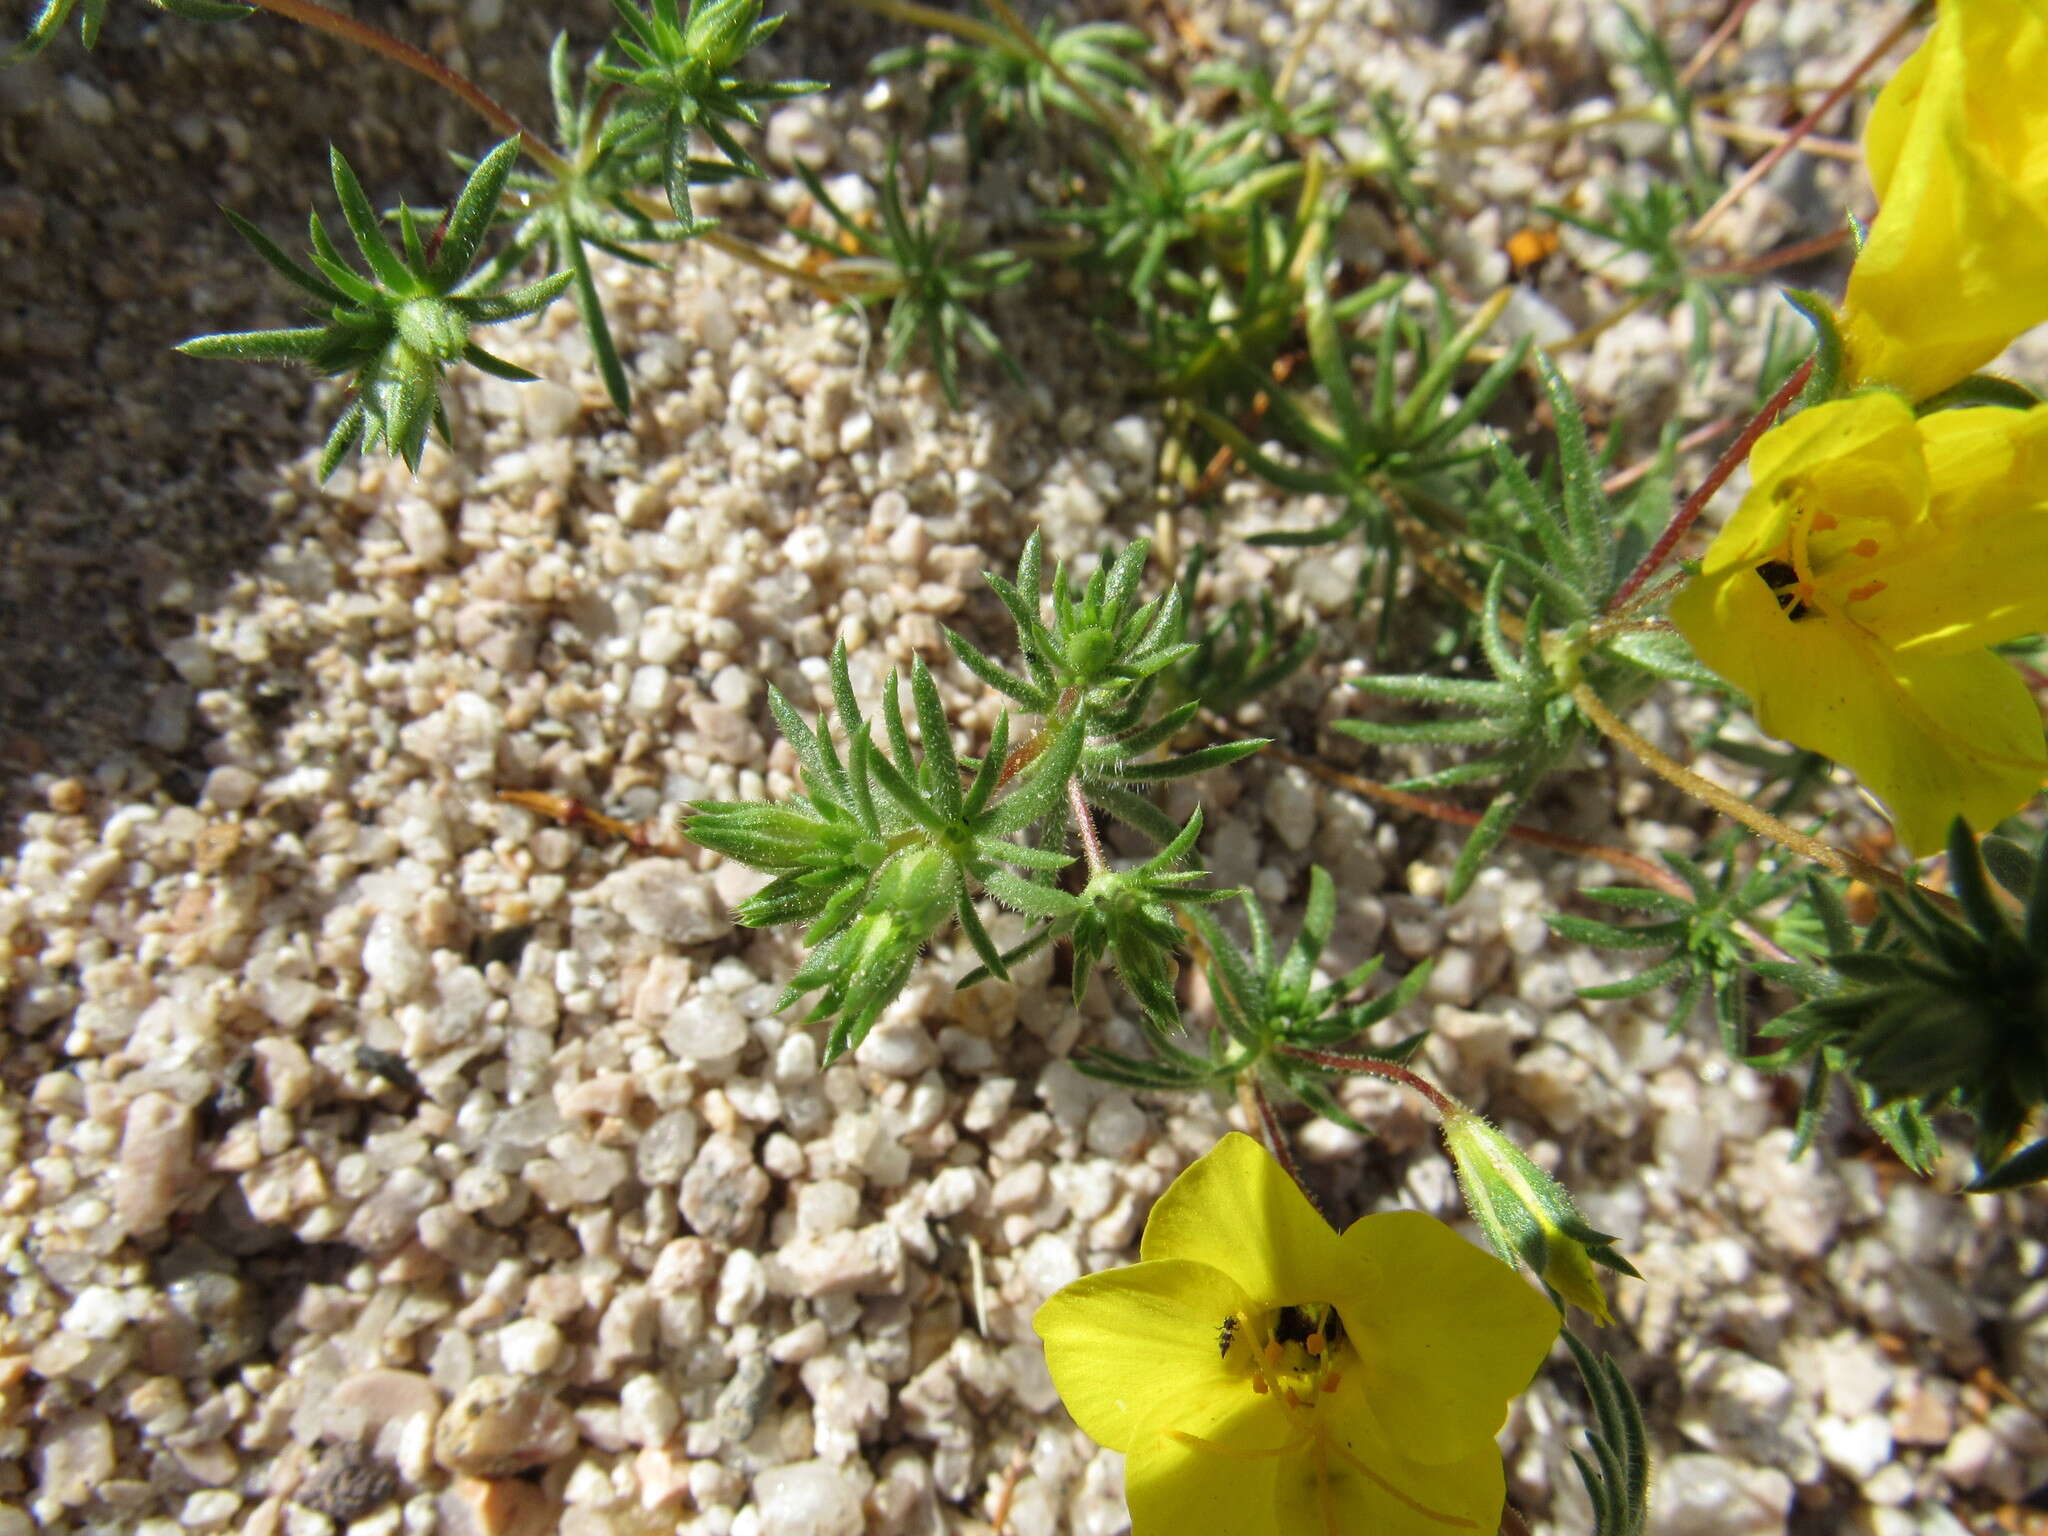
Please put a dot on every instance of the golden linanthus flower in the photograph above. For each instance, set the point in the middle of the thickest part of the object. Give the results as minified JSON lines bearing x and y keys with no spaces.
{"x":1265,"y":1375}
{"x":1855,"y":591}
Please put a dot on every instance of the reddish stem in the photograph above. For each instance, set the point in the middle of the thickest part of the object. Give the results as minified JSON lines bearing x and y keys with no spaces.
{"x":1648,"y":871}
{"x":1783,"y":256}
{"x":1342,"y":1061}
{"x":1714,"y":44}
{"x":1805,"y":125}
{"x":1084,"y":825}
{"x":1698,"y":437}
{"x":1261,"y":1109}
{"x":363,"y":35}
{"x":1696,"y":503}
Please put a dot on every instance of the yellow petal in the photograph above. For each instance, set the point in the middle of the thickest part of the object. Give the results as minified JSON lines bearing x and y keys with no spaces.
{"x":1354,"y":1481}
{"x":1932,"y":736}
{"x":1236,"y":1210}
{"x":1863,"y":452}
{"x":1181,"y":1490}
{"x":1977,"y":573}
{"x":1134,"y":1354}
{"x":1445,"y":1334}
{"x":1957,"y":262}
{"x":1884,"y":135}
{"x":1569,"y":1271}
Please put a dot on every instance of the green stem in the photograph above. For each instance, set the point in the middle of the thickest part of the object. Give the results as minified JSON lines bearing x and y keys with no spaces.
{"x":1838,"y":861}
{"x":363,"y":35}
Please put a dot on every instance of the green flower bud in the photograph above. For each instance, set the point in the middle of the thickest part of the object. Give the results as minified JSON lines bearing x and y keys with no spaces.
{"x":1527,"y":1215}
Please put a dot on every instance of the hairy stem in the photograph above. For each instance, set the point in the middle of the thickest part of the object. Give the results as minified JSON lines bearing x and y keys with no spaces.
{"x":1696,"y":503}
{"x":1084,"y":827}
{"x":1370,"y":1066}
{"x":1839,"y":861}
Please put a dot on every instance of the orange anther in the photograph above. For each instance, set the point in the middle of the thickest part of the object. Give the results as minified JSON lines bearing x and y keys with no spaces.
{"x":1313,"y":1343}
{"x":1259,"y":1385}
{"x":1867,"y":591}
{"x":1293,"y":1398}
{"x":1331,"y":1381}
{"x":1274,"y":1354}
{"x":1866,"y":547}
{"x":1824,"y":521}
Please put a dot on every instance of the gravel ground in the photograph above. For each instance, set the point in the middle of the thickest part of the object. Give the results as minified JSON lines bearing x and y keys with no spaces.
{"x":375,"y":1156}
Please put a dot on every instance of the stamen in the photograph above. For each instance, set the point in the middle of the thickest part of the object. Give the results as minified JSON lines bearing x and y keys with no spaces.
{"x":1867,"y":591}
{"x":1259,"y":1385}
{"x":1825,"y":522}
{"x":1274,"y":1354}
{"x":1865,"y":547}
{"x":1331,"y":1381}
{"x":1314,"y":1343}
{"x":1293,"y":1398}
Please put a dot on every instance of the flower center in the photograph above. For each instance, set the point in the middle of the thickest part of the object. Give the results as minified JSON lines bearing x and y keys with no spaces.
{"x":1292,"y":1354}
{"x":1294,"y":1357}
{"x":1821,"y":570}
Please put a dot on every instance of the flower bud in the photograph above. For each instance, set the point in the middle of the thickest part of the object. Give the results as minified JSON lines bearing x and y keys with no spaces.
{"x":1527,"y":1216}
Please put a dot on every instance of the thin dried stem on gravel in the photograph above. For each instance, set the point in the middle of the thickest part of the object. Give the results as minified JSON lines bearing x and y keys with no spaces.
{"x":1763,"y":133}
{"x":364,"y":35}
{"x":641,"y":836}
{"x":1783,"y":256}
{"x":1698,"y":437}
{"x":1646,"y":870}
{"x":1730,"y":25}
{"x":1806,"y":124}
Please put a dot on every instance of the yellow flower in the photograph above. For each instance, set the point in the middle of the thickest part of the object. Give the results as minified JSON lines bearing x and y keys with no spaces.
{"x":1265,"y":1376}
{"x":1854,"y":591}
{"x":1957,"y":263}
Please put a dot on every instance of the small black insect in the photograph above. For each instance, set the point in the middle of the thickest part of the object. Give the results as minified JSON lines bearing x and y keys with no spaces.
{"x":390,"y":1066}
{"x":1781,"y":578}
{"x":1225,"y":1334}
